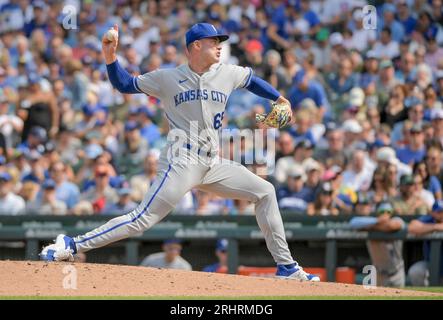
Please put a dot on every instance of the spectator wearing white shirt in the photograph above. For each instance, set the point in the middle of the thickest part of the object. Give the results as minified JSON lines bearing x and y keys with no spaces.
{"x":48,"y":204}
{"x":142,"y":36}
{"x":426,"y":195}
{"x":358,"y":176}
{"x":386,"y":47}
{"x":10,"y":124}
{"x":10,"y":203}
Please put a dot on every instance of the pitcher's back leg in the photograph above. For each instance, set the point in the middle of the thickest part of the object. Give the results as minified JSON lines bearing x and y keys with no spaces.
{"x":232,"y":180}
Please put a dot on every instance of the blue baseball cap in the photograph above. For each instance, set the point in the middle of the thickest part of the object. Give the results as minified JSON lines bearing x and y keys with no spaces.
{"x":48,"y":184}
{"x":222,"y":245}
{"x":203,"y":30}
{"x":34,"y":78}
{"x":377,"y":144}
{"x":92,"y":151}
{"x":124,"y":191}
{"x":89,"y":109}
{"x":438,"y":206}
{"x":133,"y":111}
{"x":131,"y":125}
{"x":146,"y":111}
{"x":5,"y":176}
{"x":412,"y":101}
{"x":172,"y":241}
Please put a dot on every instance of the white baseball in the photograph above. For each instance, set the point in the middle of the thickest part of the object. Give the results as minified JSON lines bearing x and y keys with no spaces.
{"x":112,"y":35}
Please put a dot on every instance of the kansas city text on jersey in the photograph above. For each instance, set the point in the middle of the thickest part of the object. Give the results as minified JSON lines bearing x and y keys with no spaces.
{"x":197,"y":94}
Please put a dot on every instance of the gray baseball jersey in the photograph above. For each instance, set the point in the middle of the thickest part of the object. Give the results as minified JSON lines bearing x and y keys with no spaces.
{"x":192,"y":98}
{"x":201,"y":100}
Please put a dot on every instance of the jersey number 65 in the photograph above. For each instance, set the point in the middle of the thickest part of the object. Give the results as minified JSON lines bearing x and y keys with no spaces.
{"x":218,"y":120}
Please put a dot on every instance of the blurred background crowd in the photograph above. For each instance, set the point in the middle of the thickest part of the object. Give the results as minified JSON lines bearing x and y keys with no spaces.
{"x":367,"y":102}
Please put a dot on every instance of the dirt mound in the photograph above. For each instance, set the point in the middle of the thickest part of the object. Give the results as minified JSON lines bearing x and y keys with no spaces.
{"x":23,"y":278}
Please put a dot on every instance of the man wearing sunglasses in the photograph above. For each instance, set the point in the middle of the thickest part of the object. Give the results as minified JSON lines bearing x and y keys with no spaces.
{"x":386,"y":255}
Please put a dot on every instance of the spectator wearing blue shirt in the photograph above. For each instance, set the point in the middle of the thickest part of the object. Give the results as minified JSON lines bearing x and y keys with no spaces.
{"x":39,"y":20}
{"x":310,"y":16}
{"x":293,"y":195}
{"x":221,"y":251}
{"x":12,"y":17}
{"x":169,"y":57}
{"x":344,"y":79}
{"x":148,"y":129}
{"x":405,"y":18}
{"x":419,"y":271}
{"x":303,"y":88}
{"x":426,"y":26}
{"x":124,"y":203}
{"x":415,"y":151}
{"x":388,"y":21}
{"x":38,"y":172}
{"x":312,"y":183}
{"x":415,"y":115}
{"x":103,"y":22}
{"x":65,"y":191}
{"x":407,"y":66}
{"x":434,"y":163}
{"x":302,"y":129}
{"x":277,"y":32}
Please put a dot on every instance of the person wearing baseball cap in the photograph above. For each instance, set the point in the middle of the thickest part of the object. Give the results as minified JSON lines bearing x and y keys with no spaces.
{"x":363,"y":206}
{"x":148,"y":129}
{"x":433,"y":222}
{"x":169,"y":258}
{"x":408,"y":202}
{"x":10,"y":203}
{"x":221,"y":251}
{"x":387,"y":255}
{"x":203,"y":31}
{"x":49,"y":204}
{"x":124,"y":203}
{"x":415,"y":150}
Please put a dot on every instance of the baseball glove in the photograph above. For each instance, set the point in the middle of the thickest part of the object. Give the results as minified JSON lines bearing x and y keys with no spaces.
{"x":279,"y":117}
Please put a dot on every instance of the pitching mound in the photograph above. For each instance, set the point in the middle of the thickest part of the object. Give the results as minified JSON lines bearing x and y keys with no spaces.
{"x":22,"y":278}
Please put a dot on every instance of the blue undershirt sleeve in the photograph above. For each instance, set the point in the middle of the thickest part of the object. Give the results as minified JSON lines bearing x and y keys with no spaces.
{"x":262,"y":88}
{"x":121,"y":79}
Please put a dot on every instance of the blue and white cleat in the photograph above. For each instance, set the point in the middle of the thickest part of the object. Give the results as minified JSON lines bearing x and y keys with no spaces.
{"x":295,"y":272}
{"x":62,"y":250}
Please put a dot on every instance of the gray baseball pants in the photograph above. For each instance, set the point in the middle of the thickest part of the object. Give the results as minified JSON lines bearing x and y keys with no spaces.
{"x":174,"y":180}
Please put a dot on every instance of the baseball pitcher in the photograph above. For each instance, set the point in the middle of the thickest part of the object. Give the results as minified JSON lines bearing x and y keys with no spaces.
{"x":194,"y":96}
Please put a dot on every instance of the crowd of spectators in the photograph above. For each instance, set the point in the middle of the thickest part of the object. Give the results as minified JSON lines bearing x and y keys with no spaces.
{"x":368,"y":114}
